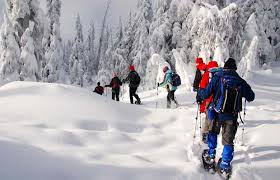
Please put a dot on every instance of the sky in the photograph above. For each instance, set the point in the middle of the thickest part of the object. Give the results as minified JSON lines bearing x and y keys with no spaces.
{"x":89,"y":10}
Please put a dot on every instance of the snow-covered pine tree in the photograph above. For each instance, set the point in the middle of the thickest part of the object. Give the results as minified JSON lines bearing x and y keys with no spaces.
{"x":67,"y":49}
{"x":24,"y":15}
{"x":10,"y":52}
{"x":106,"y":67}
{"x":29,"y":66}
{"x":141,"y":50}
{"x":77,"y":60}
{"x":52,"y":43}
{"x":92,"y":66}
{"x":124,"y":46}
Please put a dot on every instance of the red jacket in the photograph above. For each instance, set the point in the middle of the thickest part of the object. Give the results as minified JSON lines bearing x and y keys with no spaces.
{"x":205,"y":81}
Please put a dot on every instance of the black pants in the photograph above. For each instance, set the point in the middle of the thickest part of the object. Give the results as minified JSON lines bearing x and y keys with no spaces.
{"x":229,"y":129}
{"x":132,"y":93}
{"x":171,"y":97}
{"x":116,"y":95}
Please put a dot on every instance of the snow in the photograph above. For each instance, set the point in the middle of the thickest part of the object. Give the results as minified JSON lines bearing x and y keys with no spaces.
{"x":55,"y":131}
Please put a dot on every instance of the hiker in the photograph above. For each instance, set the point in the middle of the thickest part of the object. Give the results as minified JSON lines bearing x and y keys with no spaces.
{"x":99,"y":89}
{"x":167,"y":83}
{"x":115,"y":85}
{"x":134,"y":81}
{"x":227,"y":88}
{"x":199,"y":62}
{"x":204,"y":104}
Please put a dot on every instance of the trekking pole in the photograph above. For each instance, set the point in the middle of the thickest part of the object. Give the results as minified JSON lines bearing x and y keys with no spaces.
{"x":196,"y":119}
{"x":157,"y":99}
{"x":122,"y":92}
{"x":243,"y":127}
{"x":200,"y":124}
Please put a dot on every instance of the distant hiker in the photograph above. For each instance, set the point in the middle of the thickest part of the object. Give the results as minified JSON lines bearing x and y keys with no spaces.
{"x":168,"y":84}
{"x":134,"y":81}
{"x":227,"y":88}
{"x":204,"y":104}
{"x":115,"y":85}
{"x":198,"y":75}
{"x":99,"y":89}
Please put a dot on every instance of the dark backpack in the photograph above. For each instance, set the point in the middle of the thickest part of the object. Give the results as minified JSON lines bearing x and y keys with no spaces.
{"x":230,"y":97}
{"x":135,"y":78}
{"x":99,"y":90}
{"x":116,"y":83}
{"x":175,"y":80}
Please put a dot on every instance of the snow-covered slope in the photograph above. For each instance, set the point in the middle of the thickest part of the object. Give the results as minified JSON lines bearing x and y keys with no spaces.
{"x":58,"y":132}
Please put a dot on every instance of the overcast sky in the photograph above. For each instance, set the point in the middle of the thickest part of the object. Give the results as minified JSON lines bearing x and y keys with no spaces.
{"x":90,"y":10}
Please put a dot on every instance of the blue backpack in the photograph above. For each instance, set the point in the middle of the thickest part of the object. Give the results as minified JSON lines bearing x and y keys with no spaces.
{"x":229,"y":100}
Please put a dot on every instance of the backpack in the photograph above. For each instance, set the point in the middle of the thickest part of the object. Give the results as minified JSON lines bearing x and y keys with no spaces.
{"x":99,"y":90}
{"x":116,"y":83}
{"x":230,"y":97}
{"x":175,"y":80}
{"x":135,"y":78}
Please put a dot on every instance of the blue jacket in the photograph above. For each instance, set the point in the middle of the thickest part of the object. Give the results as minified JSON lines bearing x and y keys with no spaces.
{"x":168,"y":81}
{"x":214,"y":87}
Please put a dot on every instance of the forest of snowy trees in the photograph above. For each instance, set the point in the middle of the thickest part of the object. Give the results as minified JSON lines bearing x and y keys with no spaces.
{"x":32,"y":49}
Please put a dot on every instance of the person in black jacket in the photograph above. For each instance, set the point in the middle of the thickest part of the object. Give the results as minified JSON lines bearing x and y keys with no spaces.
{"x":99,"y":89}
{"x":198,"y":75}
{"x":115,"y":85}
{"x":134,"y":81}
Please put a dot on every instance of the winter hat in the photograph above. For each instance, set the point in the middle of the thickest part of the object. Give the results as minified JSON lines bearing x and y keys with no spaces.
{"x":132,"y":68}
{"x":198,"y":60}
{"x":166,"y":68}
{"x":230,"y":64}
{"x":212,"y":64}
{"x":98,"y":84}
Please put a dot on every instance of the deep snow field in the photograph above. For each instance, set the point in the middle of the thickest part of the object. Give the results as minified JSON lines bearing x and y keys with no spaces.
{"x":60,"y":132}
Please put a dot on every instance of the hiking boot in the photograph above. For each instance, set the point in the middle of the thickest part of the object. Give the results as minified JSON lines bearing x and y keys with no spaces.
{"x":209,"y":159}
{"x":224,"y":169}
{"x":208,"y":162}
{"x":138,"y":102}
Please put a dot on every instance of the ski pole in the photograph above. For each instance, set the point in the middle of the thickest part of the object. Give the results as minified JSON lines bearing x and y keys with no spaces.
{"x":196,"y":119}
{"x":243,"y":127}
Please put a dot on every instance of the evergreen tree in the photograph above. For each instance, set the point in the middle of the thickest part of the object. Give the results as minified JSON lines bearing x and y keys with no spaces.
{"x":10,"y":52}
{"x":77,"y":58}
{"x":23,"y":17}
{"x":29,"y":66}
{"x":53,"y":44}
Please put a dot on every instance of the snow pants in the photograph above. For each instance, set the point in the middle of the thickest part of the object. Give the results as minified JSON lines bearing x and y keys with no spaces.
{"x":229,"y":129}
{"x":116,"y":94}
{"x":171,"y":97}
{"x":132,"y":93}
{"x":205,"y":123}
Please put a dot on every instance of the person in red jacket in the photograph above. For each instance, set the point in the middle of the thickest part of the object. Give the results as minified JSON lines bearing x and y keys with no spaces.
{"x":204,"y":104}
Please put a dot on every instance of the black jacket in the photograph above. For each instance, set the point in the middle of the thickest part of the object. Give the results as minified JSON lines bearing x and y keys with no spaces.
{"x":197,"y":80}
{"x":131,"y":79}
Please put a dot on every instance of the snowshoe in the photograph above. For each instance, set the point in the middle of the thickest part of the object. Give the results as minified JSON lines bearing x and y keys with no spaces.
{"x":138,"y":102}
{"x":208,"y":163}
{"x":224,"y":173}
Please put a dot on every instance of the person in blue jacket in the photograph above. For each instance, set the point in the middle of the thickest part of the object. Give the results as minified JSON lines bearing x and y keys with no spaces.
{"x":227,"y":121}
{"x":167,"y":82}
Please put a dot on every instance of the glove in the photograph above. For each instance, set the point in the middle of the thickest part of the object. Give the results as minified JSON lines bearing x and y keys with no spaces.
{"x":198,"y":99}
{"x":157,"y":84}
